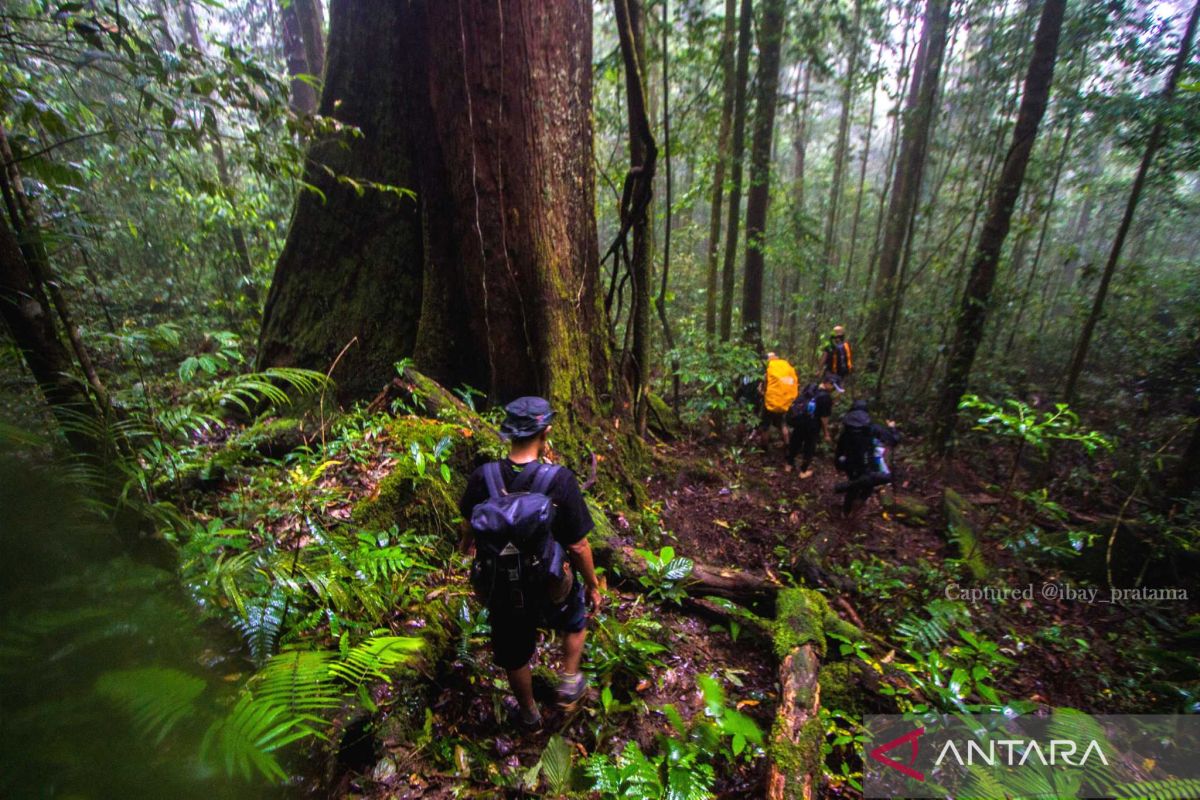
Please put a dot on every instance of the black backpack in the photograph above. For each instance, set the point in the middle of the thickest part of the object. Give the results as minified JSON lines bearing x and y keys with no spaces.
{"x":519,"y":566}
{"x":804,"y":407}
{"x":855,"y":449}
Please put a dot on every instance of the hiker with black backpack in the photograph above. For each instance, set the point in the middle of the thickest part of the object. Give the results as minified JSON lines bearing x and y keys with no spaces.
{"x":862,"y":451}
{"x":527,"y":525}
{"x":807,"y":418}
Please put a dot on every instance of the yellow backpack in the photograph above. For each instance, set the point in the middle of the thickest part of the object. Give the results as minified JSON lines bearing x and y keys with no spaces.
{"x":782,"y":386}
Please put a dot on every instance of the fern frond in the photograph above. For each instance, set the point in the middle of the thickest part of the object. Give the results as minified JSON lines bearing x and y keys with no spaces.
{"x":375,"y":658}
{"x":246,"y":738}
{"x":155,"y":698}
{"x":261,"y":625}
{"x":299,"y":680}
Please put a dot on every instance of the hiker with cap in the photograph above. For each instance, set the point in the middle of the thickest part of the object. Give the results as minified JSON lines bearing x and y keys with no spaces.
{"x":526,"y":523}
{"x":838,"y":360}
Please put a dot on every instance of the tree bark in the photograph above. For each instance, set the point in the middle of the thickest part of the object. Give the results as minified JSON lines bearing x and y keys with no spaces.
{"x":977,"y":299}
{"x":799,"y":706}
{"x":511,"y":260}
{"x":800,"y":148}
{"x":642,"y":164}
{"x":910,"y":166}
{"x":351,"y":269}
{"x":742,"y":77}
{"x":661,"y":302}
{"x":758,"y":198}
{"x":1153,"y":144}
{"x":718,"y":189}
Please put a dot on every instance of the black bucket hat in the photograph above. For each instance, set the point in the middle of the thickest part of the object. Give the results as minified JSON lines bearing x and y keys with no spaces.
{"x":857,"y":417}
{"x":526,"y":416}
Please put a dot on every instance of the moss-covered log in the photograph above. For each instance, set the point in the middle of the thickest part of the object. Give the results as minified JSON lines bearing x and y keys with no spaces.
{"x":795,"y":747}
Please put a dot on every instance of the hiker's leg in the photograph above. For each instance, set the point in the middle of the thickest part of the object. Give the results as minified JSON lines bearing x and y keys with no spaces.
{"x":810,"y":447}
{"x":573,"y":651}
{"x":794,"y":446}
{"x":521,"y":681}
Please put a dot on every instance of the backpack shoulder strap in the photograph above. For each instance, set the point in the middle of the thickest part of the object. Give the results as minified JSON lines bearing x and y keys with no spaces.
{"x":546,"y":473}
{"x":493,"y":479}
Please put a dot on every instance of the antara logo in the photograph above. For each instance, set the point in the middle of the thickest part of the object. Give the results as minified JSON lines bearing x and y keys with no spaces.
{"x":1019,"y":752}
{"x":908,"y":738}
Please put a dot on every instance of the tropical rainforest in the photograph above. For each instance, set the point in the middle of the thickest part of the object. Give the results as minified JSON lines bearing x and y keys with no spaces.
{"x":271,"y":271}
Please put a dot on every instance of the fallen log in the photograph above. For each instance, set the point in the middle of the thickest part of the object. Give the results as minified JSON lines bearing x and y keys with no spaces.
{"x":796,"y":736}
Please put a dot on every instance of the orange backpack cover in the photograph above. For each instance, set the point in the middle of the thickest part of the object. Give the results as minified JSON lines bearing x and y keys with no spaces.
{"x":782,"y":386}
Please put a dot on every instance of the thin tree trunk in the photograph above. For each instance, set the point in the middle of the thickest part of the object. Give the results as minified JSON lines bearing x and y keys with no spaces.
{"x":1152,"y":147}
{"x":909,"y":168}
{"x":829,"y":257}
{"x":718,"y":188}
{"x":666,"y":268}
{"x":862,"y":172}
{"x":304,"y":94}
{"x":973,"y":315}
{"x":758,"y":198}
{"x":745,"y":22}
{"x":800,"y":146}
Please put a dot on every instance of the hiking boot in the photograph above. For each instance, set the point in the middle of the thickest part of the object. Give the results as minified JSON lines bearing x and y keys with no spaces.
{"x":571,"y":688}
{"x":526,"y":721}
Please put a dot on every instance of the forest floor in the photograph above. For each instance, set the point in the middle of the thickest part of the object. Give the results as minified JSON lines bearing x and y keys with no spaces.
{"x":736,"y":506}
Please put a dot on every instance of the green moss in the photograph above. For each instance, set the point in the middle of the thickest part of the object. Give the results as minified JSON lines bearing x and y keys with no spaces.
{"x":800,"y":616}
{"x":839,"y":687}
{"x":800,"y":757}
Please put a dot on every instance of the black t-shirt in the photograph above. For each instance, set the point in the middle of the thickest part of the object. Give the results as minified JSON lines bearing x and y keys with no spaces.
{"x":572,"y":521}
{"x":823,"y":410}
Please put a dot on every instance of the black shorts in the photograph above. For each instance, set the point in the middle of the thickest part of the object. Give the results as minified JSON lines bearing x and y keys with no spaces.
{"x":772,"y":419}
{"x":514,"y":636}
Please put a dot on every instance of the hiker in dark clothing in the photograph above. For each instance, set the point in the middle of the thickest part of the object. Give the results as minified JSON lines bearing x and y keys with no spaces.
{"x":838,"y":359}
{"x":808,"y":418}
{"x":558,"y":601}
{"x":862,"y":454}
{"x":855,"y":447}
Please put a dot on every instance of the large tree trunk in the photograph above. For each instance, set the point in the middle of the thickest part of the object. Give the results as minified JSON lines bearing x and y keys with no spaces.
{"x":770,"y":39}
{"x":718,"y":190}
{"x":910,"y":166}
{"x":350,"y":275}
{"x":1152,"y":147}
{"x":976,"y":300}
{"x":745,"y":23}
{"x":513,"y":274}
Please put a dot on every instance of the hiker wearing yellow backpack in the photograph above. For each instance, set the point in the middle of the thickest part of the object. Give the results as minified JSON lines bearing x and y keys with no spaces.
{"x":837,"y":360}
{"x":780,"y":388}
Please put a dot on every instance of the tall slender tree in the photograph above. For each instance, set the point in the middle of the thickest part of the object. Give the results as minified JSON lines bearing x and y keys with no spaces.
{"x":829,"y":258}
{"x":712,"y":288}
{"x":971,"y":318}
{"x":742,"y":78}
{"x":1153,"y":144}
{"x":910,"y":167}
{"x":770,"y":39}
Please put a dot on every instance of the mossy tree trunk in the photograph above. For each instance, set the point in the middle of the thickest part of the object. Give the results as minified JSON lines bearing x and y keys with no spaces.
{"x":489,"y":276}
{"x":506,"y":175}
{"x":351,"y":268}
